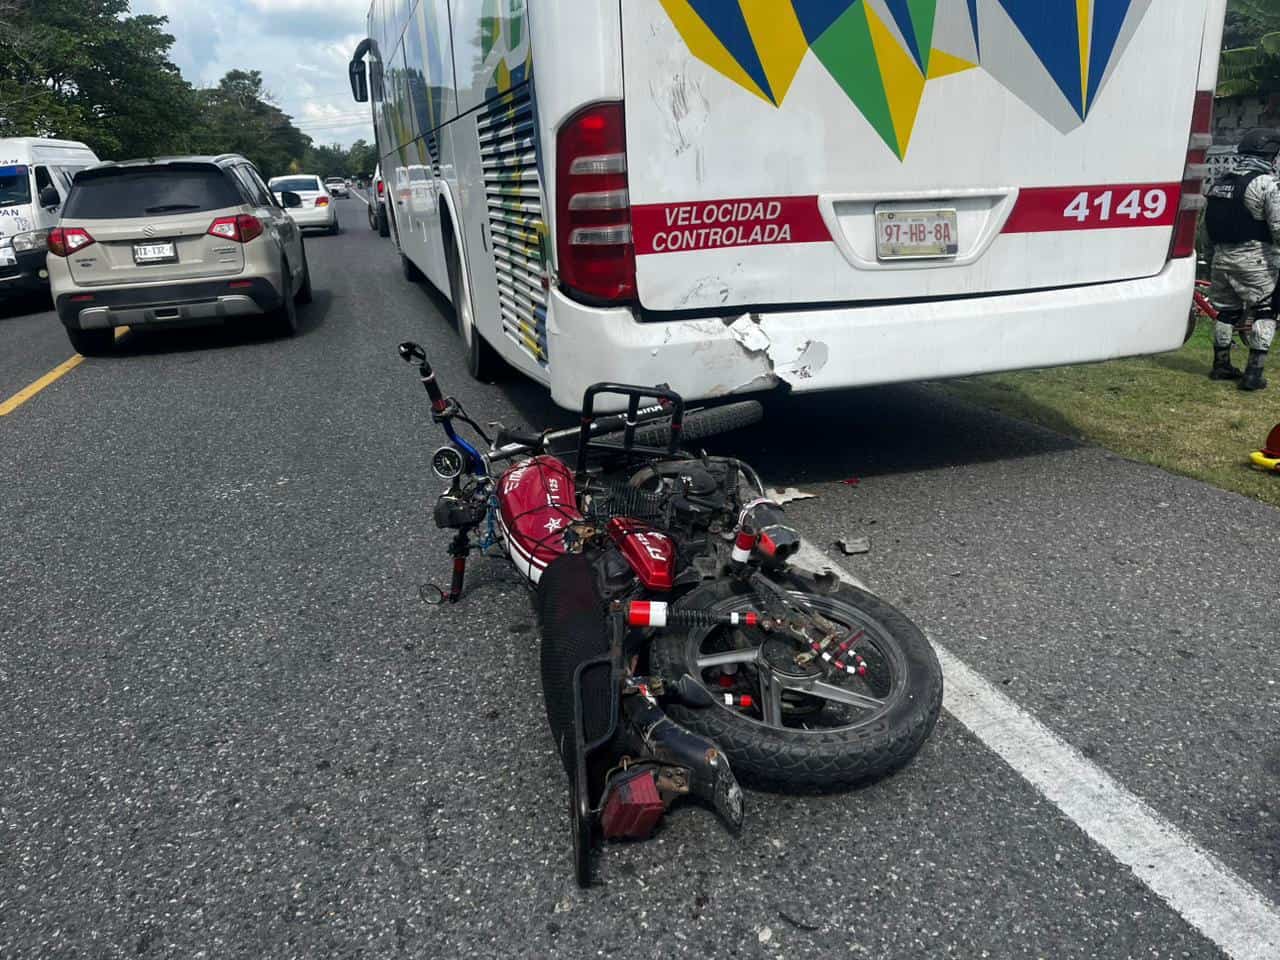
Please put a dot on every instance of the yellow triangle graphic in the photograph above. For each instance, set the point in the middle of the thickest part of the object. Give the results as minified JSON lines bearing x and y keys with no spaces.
{"x":943,"y":64}
{"x":779,"y":40}
{"x":706,"y":46}
{"x":902,"y":79}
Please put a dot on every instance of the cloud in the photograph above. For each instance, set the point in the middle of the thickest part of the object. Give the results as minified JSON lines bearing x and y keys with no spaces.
{"x":300,"y":46}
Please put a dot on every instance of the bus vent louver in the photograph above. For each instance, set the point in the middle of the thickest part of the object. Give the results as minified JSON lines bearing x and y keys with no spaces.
{"x":516,"y":224}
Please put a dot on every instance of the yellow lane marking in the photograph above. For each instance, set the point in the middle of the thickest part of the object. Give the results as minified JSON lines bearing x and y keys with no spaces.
{"x":26,"y":393}
{"x":61,"y":370}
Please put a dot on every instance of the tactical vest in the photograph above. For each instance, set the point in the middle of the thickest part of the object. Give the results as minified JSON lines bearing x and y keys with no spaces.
{"x":1227,"y":219}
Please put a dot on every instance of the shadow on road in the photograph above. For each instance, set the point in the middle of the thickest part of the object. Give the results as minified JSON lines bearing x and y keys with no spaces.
{"x":239,"y":333}
{"x":851,"y":433}
{"x":24,"y":304}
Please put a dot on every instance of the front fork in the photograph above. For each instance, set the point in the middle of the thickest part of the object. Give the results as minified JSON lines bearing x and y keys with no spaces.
{"x":459,"y":547}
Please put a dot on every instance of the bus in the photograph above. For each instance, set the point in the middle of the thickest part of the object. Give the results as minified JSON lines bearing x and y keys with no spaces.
{"x":731,"y":196}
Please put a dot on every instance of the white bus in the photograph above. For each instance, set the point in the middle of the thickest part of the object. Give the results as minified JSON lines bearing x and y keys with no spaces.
{"x":736,"y":195}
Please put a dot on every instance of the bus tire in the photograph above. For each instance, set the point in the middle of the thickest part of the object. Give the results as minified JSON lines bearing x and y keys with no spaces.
{"x":409,"y":269}
{"x":483,"y":362}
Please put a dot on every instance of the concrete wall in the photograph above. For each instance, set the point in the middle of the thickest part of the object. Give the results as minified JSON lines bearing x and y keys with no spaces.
{"x":1233,"y":116}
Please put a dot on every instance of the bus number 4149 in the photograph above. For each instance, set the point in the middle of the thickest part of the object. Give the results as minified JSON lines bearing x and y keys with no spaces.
{"x":1135,"y":205}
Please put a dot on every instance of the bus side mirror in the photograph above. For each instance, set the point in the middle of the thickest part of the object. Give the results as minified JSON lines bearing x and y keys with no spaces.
{"x":359,"y":81}
{"x":49,"y":197}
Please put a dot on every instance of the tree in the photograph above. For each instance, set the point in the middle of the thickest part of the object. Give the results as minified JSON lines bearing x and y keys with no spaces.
{"x":361,"y":159}
{"x":1247,"y":71}
{"x":87,"y":70}
{"x":237,"y":116}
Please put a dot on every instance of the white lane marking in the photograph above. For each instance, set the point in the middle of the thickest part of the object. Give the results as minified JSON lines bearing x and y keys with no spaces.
{"x":360,"y":197}
{"x":1223,"y":906}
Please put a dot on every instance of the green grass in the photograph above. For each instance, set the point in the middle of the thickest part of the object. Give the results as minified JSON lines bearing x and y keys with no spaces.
{"x":1163,"y":410}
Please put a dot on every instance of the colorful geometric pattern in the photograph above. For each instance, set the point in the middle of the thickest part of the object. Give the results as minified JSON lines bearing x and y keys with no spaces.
{"x":1054,"y":55}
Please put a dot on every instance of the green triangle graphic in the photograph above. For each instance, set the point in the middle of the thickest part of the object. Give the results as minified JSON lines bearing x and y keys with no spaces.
{"x":846,"y":50}
{"x":923,"y":13}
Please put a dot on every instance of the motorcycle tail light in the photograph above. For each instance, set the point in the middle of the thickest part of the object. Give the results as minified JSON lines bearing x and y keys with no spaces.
{"x":633,"y":807}
{"x":595,"y":253}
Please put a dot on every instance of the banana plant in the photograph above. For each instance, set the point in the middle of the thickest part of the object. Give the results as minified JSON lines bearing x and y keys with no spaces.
{"x":1254,"y":70}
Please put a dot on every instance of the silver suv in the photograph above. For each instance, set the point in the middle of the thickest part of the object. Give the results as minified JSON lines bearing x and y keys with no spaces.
{"x":181,"y":241}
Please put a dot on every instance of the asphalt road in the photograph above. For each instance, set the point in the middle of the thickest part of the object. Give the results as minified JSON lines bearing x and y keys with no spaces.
{"x":229,"y":727}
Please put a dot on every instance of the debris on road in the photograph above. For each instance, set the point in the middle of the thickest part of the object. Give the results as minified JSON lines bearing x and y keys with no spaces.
{"x":852,"y":546}
{"x":851,"y":481}
{"x":788,"y":495}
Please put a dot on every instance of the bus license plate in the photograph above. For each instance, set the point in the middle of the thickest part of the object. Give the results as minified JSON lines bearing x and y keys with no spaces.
{"x":154,"y":252}
{"x":916,"y":234}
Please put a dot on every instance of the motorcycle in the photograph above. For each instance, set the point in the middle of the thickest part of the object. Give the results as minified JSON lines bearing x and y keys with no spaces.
{"x":1268,"y":458}
{"x":681,"y":647}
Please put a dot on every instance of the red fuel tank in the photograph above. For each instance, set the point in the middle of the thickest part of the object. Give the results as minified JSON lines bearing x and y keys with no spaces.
{"x":538,"y":501}
{"x":651,"y":554}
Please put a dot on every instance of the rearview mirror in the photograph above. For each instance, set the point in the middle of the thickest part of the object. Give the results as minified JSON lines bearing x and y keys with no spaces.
{"x":49,"y":197}
{"x":290,"y":199}
{"x":359,"y":81}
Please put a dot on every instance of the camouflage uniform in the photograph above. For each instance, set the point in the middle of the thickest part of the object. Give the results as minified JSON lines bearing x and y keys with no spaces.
{"x":1245,"y":274}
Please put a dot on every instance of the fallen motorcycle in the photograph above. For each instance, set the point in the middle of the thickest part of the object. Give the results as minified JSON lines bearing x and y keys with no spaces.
{"x":1268,"y":458}
{"x":680,"y":645}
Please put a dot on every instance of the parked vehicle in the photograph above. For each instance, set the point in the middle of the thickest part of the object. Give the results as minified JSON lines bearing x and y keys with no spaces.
{"x":337,"y":187}
{"x":679,"y":643}
{"x":35,"y":177}
{"x":171,"y":242}
{"x":378,"y":204}
{"x":805,"y":195}
{"x":316,"y":210}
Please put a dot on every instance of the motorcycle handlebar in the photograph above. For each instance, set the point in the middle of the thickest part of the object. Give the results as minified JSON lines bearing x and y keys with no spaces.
{"x":409,"y":352}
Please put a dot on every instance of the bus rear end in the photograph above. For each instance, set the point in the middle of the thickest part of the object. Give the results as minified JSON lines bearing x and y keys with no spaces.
{"x":823,"y":193}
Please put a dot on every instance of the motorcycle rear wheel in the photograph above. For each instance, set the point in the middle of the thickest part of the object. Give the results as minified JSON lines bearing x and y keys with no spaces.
{"x":822,"y":735}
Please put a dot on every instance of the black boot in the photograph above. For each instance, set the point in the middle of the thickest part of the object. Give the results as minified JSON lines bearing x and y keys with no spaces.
{"x":1222,"y":368}
{"x":1253,"y":378}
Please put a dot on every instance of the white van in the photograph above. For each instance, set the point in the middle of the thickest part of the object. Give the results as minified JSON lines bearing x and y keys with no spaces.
{"x":35,"y":177}
{"x":811,"y":194}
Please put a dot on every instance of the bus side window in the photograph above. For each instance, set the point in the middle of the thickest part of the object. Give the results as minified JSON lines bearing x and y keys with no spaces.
{"x":44,"y":180}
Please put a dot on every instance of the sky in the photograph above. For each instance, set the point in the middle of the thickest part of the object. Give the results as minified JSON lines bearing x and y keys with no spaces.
{"x":300,"y":46}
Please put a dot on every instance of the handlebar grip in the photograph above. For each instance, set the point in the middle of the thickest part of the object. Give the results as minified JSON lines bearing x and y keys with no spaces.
{"x":433,"y":389}
{"x":505,"y":436}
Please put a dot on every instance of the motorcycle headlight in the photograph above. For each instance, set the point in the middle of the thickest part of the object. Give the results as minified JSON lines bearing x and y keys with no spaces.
{"x":34,"y":241}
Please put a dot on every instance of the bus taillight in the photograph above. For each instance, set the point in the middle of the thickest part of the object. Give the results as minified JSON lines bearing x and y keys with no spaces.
{"x":1197,"y":170}
{"x":596,"y":255}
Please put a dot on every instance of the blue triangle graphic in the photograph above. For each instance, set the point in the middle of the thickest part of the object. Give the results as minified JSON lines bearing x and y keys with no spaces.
{"x":902,"y":16}
{"x":1108,"y":18}
{"x":1054,"y":36}
{"x":817,"y":16}
{"x":725,"y":19}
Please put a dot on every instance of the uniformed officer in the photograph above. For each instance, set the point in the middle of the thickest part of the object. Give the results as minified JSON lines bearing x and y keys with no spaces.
{"x":1243,"y":220}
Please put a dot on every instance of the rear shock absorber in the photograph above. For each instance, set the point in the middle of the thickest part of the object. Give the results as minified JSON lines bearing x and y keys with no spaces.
{"x":655,"y":613}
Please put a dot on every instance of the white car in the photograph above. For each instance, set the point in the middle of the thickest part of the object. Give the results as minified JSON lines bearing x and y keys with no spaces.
{"x":317,"y":210}
{"x":337,"y":186}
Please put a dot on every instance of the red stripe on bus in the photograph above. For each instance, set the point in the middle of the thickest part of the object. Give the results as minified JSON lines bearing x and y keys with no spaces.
{"x":718,"y":224}
{"x":1107,"y":207}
